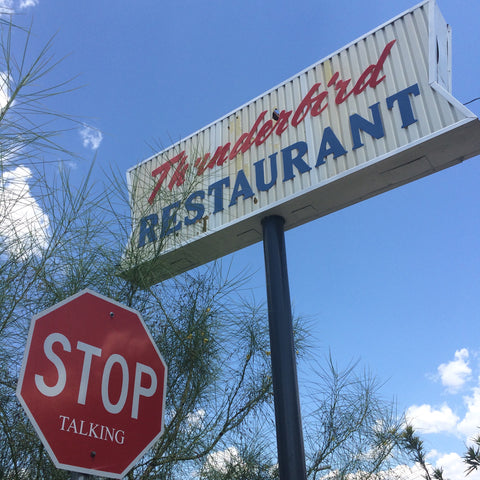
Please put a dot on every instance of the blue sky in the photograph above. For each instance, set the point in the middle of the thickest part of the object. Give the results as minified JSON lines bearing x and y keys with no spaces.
{"x":393,"y":281}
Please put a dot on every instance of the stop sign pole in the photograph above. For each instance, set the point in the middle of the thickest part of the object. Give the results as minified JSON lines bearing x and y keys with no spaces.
{"x":93,"y":385}
{"x":79,"y":476}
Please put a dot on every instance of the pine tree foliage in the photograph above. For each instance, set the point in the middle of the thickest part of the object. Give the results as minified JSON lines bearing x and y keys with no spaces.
{"x":472,"y":456}
{"x":219,"y":406}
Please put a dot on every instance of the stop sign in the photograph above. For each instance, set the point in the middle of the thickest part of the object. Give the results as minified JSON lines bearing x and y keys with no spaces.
{"x":93,"y":385}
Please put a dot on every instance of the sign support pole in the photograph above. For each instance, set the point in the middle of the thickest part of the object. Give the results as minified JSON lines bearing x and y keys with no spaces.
{"x":291,"y":455}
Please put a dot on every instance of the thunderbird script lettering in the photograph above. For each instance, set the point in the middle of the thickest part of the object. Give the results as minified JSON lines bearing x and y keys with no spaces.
{"x":285,"y":164}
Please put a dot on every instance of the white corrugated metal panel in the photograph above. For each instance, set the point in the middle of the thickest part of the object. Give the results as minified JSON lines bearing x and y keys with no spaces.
{"x":374,"y":115}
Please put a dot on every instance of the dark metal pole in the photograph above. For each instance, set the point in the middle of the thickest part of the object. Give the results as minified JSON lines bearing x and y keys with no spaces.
{"x":291,"y":454}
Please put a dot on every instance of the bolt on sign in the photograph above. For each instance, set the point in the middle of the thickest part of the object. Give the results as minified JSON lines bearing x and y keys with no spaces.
{"x":372,"y":116}
{"x":93,"y":384}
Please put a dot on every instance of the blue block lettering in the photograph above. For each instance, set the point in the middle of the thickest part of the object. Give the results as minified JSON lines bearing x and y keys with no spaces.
{"x":289,"y":160}
{"x":147,"y":225}
{"x":330,"y":145}
{"x":374,"y":129}
{"x":404,"y":103}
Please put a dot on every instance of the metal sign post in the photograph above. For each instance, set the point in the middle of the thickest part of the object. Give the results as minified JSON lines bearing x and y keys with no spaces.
{"x":291,"y":455}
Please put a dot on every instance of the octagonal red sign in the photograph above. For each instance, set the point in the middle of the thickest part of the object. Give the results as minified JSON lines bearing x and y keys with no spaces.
{"x":93,"y":384}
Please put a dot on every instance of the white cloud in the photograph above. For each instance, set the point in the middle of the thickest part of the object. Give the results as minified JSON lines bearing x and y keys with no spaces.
{"x":220,"y":460}
{"x":427,"y":419}
{"x":400,"y":472}
{"x":455,"y":373}
{"x":23,"y":224}
{"x":91,"y":137}
{"x":195,"y":419}
{"x":28,"y":3}
{"x":4,"y":89}
{"x":452,"y":465}
{"x":470,"y":424}
{"x":6,"y":6}
{"x":10,"y":6}
{"x":414,"y":472}
{"x":430,"y":420}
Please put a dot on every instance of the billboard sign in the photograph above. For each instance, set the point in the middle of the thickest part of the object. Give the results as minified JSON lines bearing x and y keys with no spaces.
{"x":370,"y":117}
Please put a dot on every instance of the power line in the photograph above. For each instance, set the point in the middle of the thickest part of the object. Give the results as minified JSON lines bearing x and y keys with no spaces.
{"x":471,"y":101}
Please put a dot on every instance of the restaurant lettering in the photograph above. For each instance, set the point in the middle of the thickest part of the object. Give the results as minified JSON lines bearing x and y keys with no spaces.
{"x":285,"y":164}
